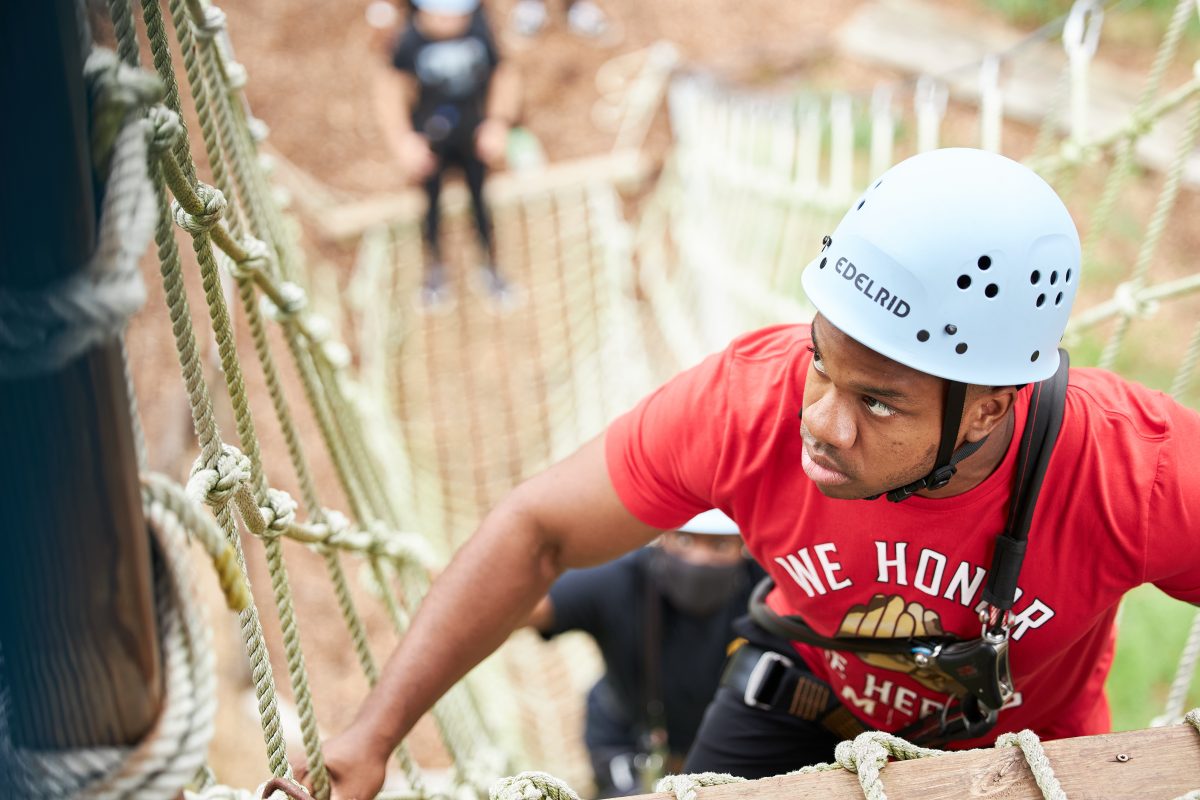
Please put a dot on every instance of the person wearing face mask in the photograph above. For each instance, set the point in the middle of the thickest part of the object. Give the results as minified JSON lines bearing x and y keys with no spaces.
{"x":662,"y":618}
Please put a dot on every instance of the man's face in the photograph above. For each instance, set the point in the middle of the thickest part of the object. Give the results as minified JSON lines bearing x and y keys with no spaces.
{"x":869,"y":424}
{"x":703,"y":549}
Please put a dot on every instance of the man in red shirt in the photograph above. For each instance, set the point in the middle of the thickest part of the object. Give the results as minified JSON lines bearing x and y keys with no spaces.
{"x":941,"y":299}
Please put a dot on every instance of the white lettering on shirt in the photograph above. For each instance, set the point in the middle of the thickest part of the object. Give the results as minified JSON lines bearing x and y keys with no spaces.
{"x":1035,"y":616}
{"x":930,"y":584}
{"x":804,"y":574}
{"x":830,"y":566}
{"x":897,"y":562}
{"x":966,"y":586}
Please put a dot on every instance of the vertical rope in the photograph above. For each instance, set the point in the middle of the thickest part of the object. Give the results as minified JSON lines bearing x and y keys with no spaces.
{"x":1158,"y":224}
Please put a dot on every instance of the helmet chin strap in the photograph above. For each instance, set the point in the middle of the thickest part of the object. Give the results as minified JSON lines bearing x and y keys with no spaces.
{"x":945,"y":465}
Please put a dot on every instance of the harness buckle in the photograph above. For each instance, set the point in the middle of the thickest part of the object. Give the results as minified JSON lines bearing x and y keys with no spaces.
{"x":760,"y":677}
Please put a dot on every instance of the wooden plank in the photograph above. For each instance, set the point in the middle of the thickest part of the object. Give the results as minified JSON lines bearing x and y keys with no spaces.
{"x":623,"y":168}
{"x":926,"y":38}
{"x":1161,"y":763}
{"x":77,"y":629}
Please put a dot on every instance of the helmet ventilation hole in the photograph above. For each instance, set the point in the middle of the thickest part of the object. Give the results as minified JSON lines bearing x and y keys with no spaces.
{"x":1035,"y":355}
{"x":951,"y":328}
{"x":824,"y":261}
{"x":862,"y":202}
{"x":877,"y":183}
{"x":985,"y":262}
{"x":1058,"y":300}
{"x":1035,"y":276}
{"x":964,"y":281}
{"x":960,"y":348}
{"x":1041,"y":301}
{"x":1067,"y":277}
{"x":991,"y":290}
{"x":922,"y":336}
{"x":1054,"y":277}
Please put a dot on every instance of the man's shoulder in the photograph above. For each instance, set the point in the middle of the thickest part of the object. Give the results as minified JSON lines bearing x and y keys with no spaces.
{"x":771,"y":343}
{"x":1100,"y":399}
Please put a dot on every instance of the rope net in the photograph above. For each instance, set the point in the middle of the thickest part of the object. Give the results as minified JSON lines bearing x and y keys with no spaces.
{"x":443,"y":413}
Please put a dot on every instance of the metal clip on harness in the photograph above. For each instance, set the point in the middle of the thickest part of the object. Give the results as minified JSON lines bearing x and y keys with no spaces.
{"x":978,"y":667}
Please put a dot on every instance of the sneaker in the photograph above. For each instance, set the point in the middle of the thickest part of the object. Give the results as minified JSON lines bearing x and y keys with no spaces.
{"x":586,"y":19}
{"x":503,"y":295}
{"x":528,"y":17}
{"x":435,"y":295}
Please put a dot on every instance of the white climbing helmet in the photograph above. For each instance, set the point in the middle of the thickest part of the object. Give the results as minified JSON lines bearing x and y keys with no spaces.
{"x":713,"y":522}
{"x":447,"y":6}
{"x":959,"y":263}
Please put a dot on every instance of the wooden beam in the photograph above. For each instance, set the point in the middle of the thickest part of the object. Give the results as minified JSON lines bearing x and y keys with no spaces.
{"x":624,"y":169}
{"x":77,"y":629}
{"x":921,"y":37}
{"x":1147,"y":765}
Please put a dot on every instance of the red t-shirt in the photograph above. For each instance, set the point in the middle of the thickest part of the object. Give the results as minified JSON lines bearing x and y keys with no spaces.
{"x":1120,"y":506}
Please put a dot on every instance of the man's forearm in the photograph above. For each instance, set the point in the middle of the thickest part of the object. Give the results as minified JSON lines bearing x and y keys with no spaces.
{"x":486,"y":593}
{"x":568,"y":516}
{"x":504,"y":94}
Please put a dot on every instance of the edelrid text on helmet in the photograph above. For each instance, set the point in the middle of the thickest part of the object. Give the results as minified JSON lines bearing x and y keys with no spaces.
{"x":866,"y":284}
{"x":959,"y":263}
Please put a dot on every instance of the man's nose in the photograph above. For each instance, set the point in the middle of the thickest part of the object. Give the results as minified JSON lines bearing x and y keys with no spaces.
{"x":830,"y":420}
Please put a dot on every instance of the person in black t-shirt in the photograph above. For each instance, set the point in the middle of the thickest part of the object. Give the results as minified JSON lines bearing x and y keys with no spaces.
{"x":449,"y":102}
{"x":662,"y":618}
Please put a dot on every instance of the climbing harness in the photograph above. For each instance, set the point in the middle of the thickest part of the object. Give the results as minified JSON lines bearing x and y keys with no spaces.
{"x":978,"y":668}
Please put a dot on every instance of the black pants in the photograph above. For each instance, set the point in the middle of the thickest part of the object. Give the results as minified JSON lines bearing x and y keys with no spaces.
{"x":755,"y":743}
{"x":457,"y":151}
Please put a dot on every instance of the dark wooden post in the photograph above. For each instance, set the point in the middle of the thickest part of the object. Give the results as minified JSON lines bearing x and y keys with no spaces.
{"x":80,"y":653}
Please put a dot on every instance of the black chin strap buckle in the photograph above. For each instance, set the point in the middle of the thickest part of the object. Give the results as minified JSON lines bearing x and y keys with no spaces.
{"x":934,"y":480}
{"x":940,"y":476}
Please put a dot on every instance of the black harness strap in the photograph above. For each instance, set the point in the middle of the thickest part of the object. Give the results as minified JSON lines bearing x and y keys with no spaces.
{"x":975,"y":713}
{"x":1046,"y":408}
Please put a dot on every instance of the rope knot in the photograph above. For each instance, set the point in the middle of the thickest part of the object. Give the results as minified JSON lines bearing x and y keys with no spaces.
{"x":257,"y":260}
{"x":165,"y":128}
{"x":531,"y":786}
{"x":202,"y":221}
{"x":1043,"y":772}
{"x":684,"y":786}
{"x":278,"y":514}
{"x":406,"y":549}
{"x":337,"y":354}
{"x":1130,"y":304}
{"x":339,"y":526}
{"x":212,"y":25}
{"x":292,"y":299}
{"x":116,"y":92}
{"x":235,"y":76}
{"x":216,"y":483}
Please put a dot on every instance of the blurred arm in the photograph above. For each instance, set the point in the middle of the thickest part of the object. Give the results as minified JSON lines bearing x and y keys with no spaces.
{"x":569,"y":516}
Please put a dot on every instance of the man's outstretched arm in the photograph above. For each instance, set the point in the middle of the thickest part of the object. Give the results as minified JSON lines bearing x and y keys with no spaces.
{"x":568,"y":516}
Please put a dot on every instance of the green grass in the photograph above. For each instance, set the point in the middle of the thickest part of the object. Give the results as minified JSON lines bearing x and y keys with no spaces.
{"x":1153,"y":629}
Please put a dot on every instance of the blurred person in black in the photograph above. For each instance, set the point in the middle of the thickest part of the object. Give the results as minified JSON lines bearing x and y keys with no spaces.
{"x":449,"y":101}
{"x":662,"y":618}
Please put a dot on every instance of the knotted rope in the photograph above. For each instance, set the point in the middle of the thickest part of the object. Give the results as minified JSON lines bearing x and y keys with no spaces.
{"x":176,"y":747}
{"x":531,"y":786}
{"x":41,"y":330}
{"x":684,"y":786}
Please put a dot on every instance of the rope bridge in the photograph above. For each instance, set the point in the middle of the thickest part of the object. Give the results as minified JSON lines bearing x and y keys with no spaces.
{"x":446,"y":412}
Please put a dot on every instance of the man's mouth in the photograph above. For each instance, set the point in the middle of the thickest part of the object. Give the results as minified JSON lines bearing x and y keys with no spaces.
{"x":820,"y":469}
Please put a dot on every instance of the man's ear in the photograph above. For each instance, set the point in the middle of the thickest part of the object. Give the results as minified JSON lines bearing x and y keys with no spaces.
{"x":986,"y":408}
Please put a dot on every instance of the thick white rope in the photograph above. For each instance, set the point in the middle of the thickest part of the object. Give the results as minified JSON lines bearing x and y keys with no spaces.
{"x":175,"y":748}
{"x":43,"y":329}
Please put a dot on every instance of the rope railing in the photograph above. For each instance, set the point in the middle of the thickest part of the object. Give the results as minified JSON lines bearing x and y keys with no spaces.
{"x":737,"y":211}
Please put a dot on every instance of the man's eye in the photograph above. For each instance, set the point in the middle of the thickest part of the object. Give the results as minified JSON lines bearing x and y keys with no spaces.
{"x":817,"y":361}
{"x":877,"y":408}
